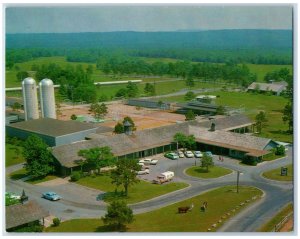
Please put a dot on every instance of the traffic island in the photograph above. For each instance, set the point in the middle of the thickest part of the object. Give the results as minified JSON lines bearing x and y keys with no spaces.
{"x":214,"y":172}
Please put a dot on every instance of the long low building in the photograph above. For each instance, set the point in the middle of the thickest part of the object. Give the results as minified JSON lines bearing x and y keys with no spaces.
{"x":149,"y":142}
{"x":54,"y":132}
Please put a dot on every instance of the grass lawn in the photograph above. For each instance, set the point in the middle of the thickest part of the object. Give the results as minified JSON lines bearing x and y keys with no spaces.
{"x":275,"y":174}
{"x":13,"y":155}
{"x":214,"y":172}
{"x":21,"y":173}
{"x":269,"y":226}
{"x":167,"y":219}
{"x":136,"y":193}
{"x":271,"y":157}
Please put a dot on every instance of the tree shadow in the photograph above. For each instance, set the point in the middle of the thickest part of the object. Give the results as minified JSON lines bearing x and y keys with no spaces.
{"x":201,"y":170}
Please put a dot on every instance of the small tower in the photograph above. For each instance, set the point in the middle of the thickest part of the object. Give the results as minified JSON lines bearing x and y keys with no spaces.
{"x":47,"y":99}
{"x":127,"y":128}
{"x":30,"y":99}
{"x":213,"y":127}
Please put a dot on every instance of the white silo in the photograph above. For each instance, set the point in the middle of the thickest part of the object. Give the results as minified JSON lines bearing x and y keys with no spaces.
{"x":47,"y":99}
{"x":30,"y":99}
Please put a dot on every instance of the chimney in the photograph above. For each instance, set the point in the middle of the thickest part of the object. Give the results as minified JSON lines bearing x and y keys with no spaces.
{"x":213,"y":127}
{"x":128,"y":128}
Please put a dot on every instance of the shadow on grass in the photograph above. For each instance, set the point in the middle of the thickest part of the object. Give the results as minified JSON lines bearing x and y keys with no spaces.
{"x":111,"y":196}
{"x":107,"y":228}
{"x":283,"y":132}
{"x":18,"y":176}
{"x":201,"y":170}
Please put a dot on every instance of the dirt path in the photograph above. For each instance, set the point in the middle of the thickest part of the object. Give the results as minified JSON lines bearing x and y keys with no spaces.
{"x":288,"y":226}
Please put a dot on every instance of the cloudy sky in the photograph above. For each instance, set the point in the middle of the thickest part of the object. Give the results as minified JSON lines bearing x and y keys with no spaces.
{"x":99,"y":18}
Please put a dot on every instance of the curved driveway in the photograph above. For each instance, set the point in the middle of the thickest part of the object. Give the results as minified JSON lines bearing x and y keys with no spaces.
{"x":277,"y":194}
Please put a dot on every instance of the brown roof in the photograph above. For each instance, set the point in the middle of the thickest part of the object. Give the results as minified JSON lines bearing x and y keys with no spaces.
{"x":20,"y":214}
{"x":267,"y":87}
{"x":122,"y":144}
{"x":52,"y":127}
{"x":228,"y":123}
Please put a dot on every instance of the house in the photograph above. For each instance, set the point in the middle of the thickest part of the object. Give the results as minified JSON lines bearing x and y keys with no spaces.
{"x":275,"y":88}
{"x":19,"y":215}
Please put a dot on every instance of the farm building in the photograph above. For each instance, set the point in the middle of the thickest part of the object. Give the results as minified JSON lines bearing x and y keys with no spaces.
{"x":158,"y":140}
{"x":19,"y":215}
{"x":275,"y":88}
{"x":198,"y":107}
{"x":54,"y":132}
{"x":149,"y":104}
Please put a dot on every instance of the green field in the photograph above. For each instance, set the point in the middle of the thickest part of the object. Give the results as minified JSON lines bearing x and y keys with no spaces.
{"x":214,"y":172}
{"x":269,"y":226}
{"x":13,"y":155}
{"x":136,"y":193}
{"x":261,"y":70}
{"x":167,"y":219}
{"x":275,"y":174}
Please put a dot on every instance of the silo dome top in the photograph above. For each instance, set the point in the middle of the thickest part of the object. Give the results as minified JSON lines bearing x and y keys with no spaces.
{"x":28,"y":81}
{"x":46,"y":82}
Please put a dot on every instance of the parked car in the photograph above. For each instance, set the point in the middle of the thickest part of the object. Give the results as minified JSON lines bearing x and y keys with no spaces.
{"x":51,"y":196}
{"x":189,"y":154}
{"x":171,"y":155}
{"x":180,"y":154}
{"x":198,"y":154}
{"x":148,"y":161}
{"x":208,"y":153}
{"x":142,"y":172}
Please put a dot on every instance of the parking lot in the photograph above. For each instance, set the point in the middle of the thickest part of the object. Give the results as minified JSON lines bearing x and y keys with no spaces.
{"x":165,"y":164}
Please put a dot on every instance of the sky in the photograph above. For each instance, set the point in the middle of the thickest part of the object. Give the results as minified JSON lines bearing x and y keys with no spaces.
{"x":106,"y":18}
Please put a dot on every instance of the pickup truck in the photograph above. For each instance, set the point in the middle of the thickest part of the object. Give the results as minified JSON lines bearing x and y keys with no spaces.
{"x":148,"y":161}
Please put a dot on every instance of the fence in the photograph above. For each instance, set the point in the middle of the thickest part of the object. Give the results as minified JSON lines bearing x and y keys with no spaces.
{"x":283,"y":221}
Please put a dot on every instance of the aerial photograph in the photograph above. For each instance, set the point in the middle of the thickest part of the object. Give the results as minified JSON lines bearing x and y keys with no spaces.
{"x":140,"y":119}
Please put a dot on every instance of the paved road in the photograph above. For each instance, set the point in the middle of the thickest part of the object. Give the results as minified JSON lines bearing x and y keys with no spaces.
{"x":80,"y":202}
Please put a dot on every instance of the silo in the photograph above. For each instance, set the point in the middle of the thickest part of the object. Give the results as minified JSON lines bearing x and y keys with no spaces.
{"x":47,"y":99}
{"x":30,"y":99}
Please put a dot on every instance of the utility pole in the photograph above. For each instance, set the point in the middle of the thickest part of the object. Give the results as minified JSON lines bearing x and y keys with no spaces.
{"x":237,"y":181}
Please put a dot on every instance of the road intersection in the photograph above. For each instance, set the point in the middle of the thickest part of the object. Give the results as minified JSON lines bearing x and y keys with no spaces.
{"x":81,"y":202}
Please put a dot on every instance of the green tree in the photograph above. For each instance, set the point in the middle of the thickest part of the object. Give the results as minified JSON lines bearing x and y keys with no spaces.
{"x":125,"y":173}
{"x":180,"y":138}
{"x":190,"y":142}
{"x":73,"y":117}
{"x":21,"y":75}
{"x":98,"y":157}
{"x":280,"y":150}
{"x":99,"y":110}
{"x":121,"y":93}
{"x":190,"y":115}
{"x":206,"y":162}
{"x":132,"y":89}
{"x":190,"y":81}
{"x":260,"y":120}
{"x":119,"y":128}
{"x":288,"y":115}
{"x":149,"y":89}
{"x":39,"y":160}
{"x":118,"y":215}
{"x":16,"y":106}
{"x":190,"y":95}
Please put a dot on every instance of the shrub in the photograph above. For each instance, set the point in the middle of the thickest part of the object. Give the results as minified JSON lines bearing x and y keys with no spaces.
{"x":250,"y":161}
{"x":280,"y":150}
{"x":75,"y":176}
{"x":56,"y":222}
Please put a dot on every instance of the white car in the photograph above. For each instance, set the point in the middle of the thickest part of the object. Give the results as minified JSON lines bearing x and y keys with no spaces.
{"x":189,"y":154}
{"x":142,"y":172}
{"x":198,"y":154}
{"x":148,"y":161}
{"x":180,"y":154}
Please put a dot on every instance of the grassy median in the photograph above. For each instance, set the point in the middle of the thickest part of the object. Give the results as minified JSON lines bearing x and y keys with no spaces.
{"x":275,"y":174}
{"x":167,"y":219}
{"x":214,"y":172}
{"x":138,"y":192}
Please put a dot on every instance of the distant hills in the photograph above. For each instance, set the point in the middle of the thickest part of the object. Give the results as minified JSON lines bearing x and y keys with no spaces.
{"x":211,"y":39}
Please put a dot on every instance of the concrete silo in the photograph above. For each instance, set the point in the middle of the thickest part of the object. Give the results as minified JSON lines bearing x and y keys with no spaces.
{"x":47,"y":99}
{"x":30,"y":99}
